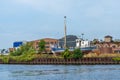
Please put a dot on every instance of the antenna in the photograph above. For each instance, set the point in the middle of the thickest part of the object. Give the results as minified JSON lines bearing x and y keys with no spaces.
{"x":65,"y":33}
{"x":82,"y":35}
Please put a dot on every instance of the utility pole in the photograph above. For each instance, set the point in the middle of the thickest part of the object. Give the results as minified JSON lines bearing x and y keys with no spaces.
{"x":65,"y":33}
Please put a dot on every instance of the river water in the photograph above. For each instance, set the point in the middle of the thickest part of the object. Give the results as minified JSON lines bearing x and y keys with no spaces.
{"x":59,"y":72}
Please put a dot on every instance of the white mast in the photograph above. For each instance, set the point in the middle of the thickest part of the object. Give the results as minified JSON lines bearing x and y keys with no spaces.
{"x":65,"y":33}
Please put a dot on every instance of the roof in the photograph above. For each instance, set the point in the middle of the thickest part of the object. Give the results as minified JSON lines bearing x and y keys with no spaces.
{"x":49,"y":39}
{"x":108,"y":36}
{"x":44,"y":39}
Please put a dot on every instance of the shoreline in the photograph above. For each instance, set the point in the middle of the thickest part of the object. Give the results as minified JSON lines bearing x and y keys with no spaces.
{"x":60,"y":61}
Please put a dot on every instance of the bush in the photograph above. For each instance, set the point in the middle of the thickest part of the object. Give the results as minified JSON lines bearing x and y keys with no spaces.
{"x":24,"y":49}
{"x":5,"y":59}
{"x":116,"y":59}
{"x":77,"y":53}
{"x":27,"y":57}
{"x":24,"y":57}
{"x":25,"y":53}
{"x":66,"y":54}
{"x":17,"y":52}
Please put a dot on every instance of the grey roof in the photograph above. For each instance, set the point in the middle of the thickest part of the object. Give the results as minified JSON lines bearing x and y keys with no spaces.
{"x":108,"y":36}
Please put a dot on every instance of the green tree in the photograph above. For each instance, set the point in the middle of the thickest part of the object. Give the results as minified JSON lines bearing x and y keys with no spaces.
{"x":66,"y":54}
{"x":41,"y":46}
{"x":77,"y":53}
{"x":24,"y":49}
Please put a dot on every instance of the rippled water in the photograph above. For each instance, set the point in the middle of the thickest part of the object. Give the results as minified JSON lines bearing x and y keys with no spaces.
{"x":59,"y":72}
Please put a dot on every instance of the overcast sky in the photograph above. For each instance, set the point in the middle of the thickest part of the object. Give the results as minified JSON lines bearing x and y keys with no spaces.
{"x":35,"y":19}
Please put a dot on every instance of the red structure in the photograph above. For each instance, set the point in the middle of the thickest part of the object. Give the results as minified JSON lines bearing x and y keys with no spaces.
{"x":49,"y":42}
{"x":111,"y":47}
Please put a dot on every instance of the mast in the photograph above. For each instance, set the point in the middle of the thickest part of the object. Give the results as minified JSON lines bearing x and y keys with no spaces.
{"x":65,"y":33}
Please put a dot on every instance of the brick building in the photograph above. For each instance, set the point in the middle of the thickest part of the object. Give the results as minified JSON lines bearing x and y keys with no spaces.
{"x":49,"y":42}
{"x":108,"y":46}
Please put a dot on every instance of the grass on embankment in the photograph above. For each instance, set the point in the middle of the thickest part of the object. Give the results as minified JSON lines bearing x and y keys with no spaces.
{"x":32,"y":56}
{"x":25,"y":57}
{"x":102,"y":55}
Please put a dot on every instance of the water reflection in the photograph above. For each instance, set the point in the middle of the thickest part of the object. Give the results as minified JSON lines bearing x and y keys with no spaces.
{"x":39,"y":72}
{"x":59,"y":72}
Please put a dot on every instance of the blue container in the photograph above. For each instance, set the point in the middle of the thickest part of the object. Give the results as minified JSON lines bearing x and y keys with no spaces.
{"x":17,"y":44}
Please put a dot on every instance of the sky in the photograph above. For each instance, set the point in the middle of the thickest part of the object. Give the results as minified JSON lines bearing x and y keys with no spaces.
{"x":26,"y":20}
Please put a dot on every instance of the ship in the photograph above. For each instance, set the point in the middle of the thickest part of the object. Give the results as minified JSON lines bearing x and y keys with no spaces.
{"x":83,"y":45}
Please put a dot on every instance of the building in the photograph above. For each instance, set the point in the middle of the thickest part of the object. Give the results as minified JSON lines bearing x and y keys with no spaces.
{"x":17,"y":44}
{"x":4,"y":51}
{"x":108,"y":38}
{"x":50,"y":42}
{"x":108,"y":46}
{"x":71,"y":41}
{"x":11,"y":49}
{"x":82,"y":43}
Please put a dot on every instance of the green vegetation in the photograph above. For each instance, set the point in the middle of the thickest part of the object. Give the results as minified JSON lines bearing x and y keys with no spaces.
{"x":5,"y":59}
{"x":41,"y":46}
{"x":24,"y":49}
{"x":22,"y":58}
{"x":116,"y":59}
{"x":66,"y":54}
{"x":26,"y":53}
{"x":77,"y":54}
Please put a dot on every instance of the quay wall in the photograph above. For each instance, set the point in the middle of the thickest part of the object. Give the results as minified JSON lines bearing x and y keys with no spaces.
{"x":58,"y":61}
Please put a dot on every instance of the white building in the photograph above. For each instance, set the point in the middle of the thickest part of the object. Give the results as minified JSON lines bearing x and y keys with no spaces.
{"x":82,"y":43}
